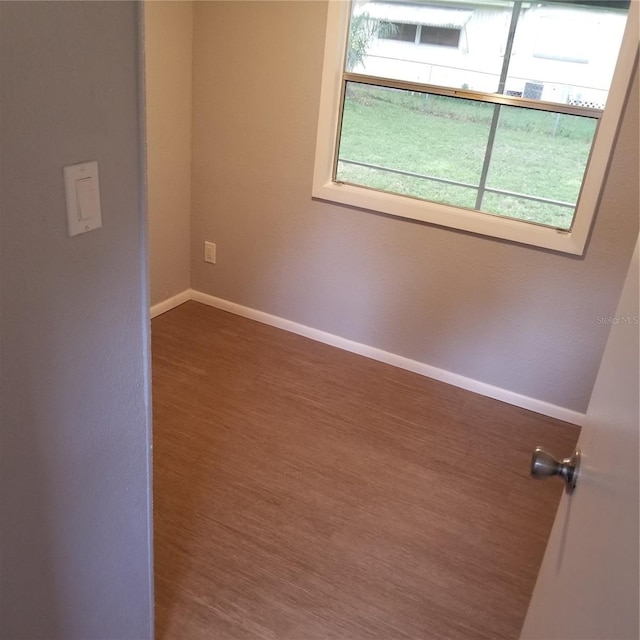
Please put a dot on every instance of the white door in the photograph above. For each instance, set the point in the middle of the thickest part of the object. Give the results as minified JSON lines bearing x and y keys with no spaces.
{"x":588,"y":583}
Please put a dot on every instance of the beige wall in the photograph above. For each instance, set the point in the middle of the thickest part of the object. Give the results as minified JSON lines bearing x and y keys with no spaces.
{"x":168,"y":44}
{"x":512,"y":316}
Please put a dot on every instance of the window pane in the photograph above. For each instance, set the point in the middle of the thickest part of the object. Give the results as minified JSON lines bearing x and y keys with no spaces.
{"x":561,"y":52}
{"x":435,"y":147}
{"x":568,"y":52}
{"x":459,"y":45}
{"x":540,"y":154}
{"x":431,"y":136}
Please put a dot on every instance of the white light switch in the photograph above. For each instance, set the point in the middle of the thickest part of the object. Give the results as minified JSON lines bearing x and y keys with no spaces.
{"x":86,"y":197}
{"x":83,"y":197}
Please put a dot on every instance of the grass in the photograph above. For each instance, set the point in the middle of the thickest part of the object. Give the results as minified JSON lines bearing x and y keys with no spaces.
{"x":535,"y":153}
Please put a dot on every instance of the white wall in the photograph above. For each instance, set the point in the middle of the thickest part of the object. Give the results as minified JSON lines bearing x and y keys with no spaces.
{"x":516,"y":317}
{"x":168,"y":44}
{"x":74,"y":470}
{"x":588,"y":583}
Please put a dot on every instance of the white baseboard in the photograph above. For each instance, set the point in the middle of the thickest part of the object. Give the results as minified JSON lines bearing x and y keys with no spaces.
{"x":538,"y":406}
{"x":171,"y":303}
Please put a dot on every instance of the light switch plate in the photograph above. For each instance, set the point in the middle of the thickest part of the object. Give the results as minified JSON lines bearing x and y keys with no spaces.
{"x":83,"y":198}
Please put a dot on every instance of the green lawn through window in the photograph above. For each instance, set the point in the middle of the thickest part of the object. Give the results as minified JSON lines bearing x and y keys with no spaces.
{"x":537,"y":153}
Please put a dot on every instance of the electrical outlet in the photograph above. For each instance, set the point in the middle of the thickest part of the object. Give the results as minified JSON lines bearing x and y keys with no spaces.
{"x":210,"y":252}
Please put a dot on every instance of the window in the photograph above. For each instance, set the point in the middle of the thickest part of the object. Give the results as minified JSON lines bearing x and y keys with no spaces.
{"x":481,"y":133}
{"x":443,"y":36}
{"x":418,"y":33}
{"x":400,"y":31}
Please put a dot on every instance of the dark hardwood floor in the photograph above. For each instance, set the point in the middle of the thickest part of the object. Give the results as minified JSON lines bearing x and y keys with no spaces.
{"x":306,"y":493}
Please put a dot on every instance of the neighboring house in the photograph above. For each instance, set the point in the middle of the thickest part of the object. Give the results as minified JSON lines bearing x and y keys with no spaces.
{"x":560,"y":53}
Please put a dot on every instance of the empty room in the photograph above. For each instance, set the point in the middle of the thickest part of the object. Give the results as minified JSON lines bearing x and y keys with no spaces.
{"x":319,"y":320}
{"x":347,"y":393}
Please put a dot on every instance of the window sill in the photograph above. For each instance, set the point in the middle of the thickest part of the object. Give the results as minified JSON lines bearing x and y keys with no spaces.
{"x":571,"y":242}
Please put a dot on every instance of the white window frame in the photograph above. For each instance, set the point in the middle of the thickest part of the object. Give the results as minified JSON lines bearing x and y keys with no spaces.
{"x":572,"y":242}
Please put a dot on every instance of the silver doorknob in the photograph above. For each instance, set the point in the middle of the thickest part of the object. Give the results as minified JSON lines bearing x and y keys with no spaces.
{"x":544,"y":465}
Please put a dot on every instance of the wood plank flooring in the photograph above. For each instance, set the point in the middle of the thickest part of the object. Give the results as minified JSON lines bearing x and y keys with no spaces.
{"x":306,"y":493}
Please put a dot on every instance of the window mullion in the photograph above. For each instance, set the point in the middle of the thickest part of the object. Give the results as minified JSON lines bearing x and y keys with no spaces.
{"x":478,"y":96}
{"x":515,"y":14}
